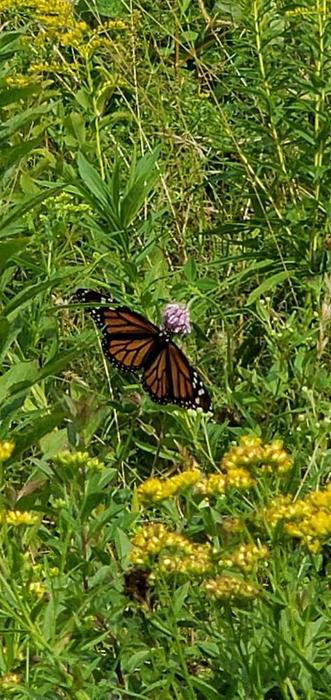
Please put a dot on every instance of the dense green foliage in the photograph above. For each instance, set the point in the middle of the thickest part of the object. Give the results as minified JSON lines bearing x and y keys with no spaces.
{"x":168,"y":151}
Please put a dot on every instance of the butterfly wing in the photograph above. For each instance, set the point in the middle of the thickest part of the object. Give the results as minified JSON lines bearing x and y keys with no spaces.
{"x":127,"y":337}
{"x":130,"y":342}
{"x":169,"y":378}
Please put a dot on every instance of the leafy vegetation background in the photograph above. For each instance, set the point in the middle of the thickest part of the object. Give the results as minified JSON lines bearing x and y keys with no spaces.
{"x":164,"y":151}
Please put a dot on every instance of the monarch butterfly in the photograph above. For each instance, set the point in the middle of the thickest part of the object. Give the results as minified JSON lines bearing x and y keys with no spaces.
{"x":131,"y":342}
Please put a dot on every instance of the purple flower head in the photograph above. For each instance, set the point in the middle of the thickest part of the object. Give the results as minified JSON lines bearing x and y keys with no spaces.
{"x":176,"y":319}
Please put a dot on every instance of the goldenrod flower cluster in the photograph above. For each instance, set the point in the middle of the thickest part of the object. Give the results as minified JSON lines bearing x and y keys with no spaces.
{"x":6,"y":449}
{"x":218,"y":484}
{"x":213,"y":484}
{"x":37,"y":588}
{"x":56,"y":23}
{"x":113,"y":24}
{"x":17,"y":80}
{"x":279,"y":508}
{"x":240,"y":465}
{"x":9,"y":679}
{"x":149,"y":541}
{"x":18,"y":517}
{"x":197,"y":563}
{"x":154,"y":490}
{"x":300,"y":11}
{"x":253,"y":454}
{"x":48,"y":67}
{"x":61,"y":8}
{"x":245,"y":556}
{"x":169,"y":552}
{"x":64,"y":205}
{"x":78,"y":460}
{"x":308,"y":518}
{"x":229,"y":588}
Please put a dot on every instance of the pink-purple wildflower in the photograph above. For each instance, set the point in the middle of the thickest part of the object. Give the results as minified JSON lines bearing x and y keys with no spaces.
{"x":176,"y":319}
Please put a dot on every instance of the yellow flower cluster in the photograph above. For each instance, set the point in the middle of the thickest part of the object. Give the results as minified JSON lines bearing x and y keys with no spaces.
{"x":113,"y":24}
{"x":169,"y":552}
{"x":229,"y":588}
{"x":238,"y":470}
{"x":308,"y":518}
{"x":72,"y":37}
{"x":37,"y":588}
{"x":64,"y":204}
{"x":213,"y":484}
{"x":245,"y":556}
{"x":197,"y":563}
{"x":78,"y":460}
{"x":154,"y":490}
{"x":6,"y":449}
{"x":9,"y":679}
{"x":300,"y":11}
{"x":62,"y":8}
{"x":252,"y":454}
{"x":48,"y":67}
{"x":216,"y":484}
{"x":278,"y":509}
{"x":149,"y":541}
{"x":240,"y":465}
{"x":17,"y":81}
{"x":56,"y":23}
{"x":18,"y":517}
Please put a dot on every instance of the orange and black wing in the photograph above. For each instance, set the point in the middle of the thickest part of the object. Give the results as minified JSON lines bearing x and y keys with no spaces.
{"x":128,"y":338}
{"x":169,"y":378}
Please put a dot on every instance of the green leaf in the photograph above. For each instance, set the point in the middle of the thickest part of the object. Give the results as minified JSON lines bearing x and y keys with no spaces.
{"x":23,"y":373}
{"x":209,"y":648}
{"x":140,"y":184}
{"x":30,"y":436}
{"x":76,"y":123}
{"x":8,"y":333}
{"x":112,"y":8}
{"x":122,"y":543}
{"x":190,"y":270}
{"x":205,"y":689}
{"x":96,"y":186}
{"x":54,"y":442}
{"x":267,"y":285}
{"x":114,"y":186}
{"x":12,"y":154}
{"x":83,"y":99}
{"x":27,"y":184}
{"x":17,"y":212}
{"x":10,"y":248}
{"x":56,"y":366}
{"x":189,"y":36}
{"x":135,"y":661}
{"x":179,"y":597}
{"x":15,"y":94}
{"x":92,"y":180}
{"x":9,"y":42}
{"x":91,"y":501}
{"x":13,"y":124}
{"x":29,"y":293}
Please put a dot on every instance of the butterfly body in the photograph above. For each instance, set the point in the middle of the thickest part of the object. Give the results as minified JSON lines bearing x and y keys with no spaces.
{"x":131,"y":342}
